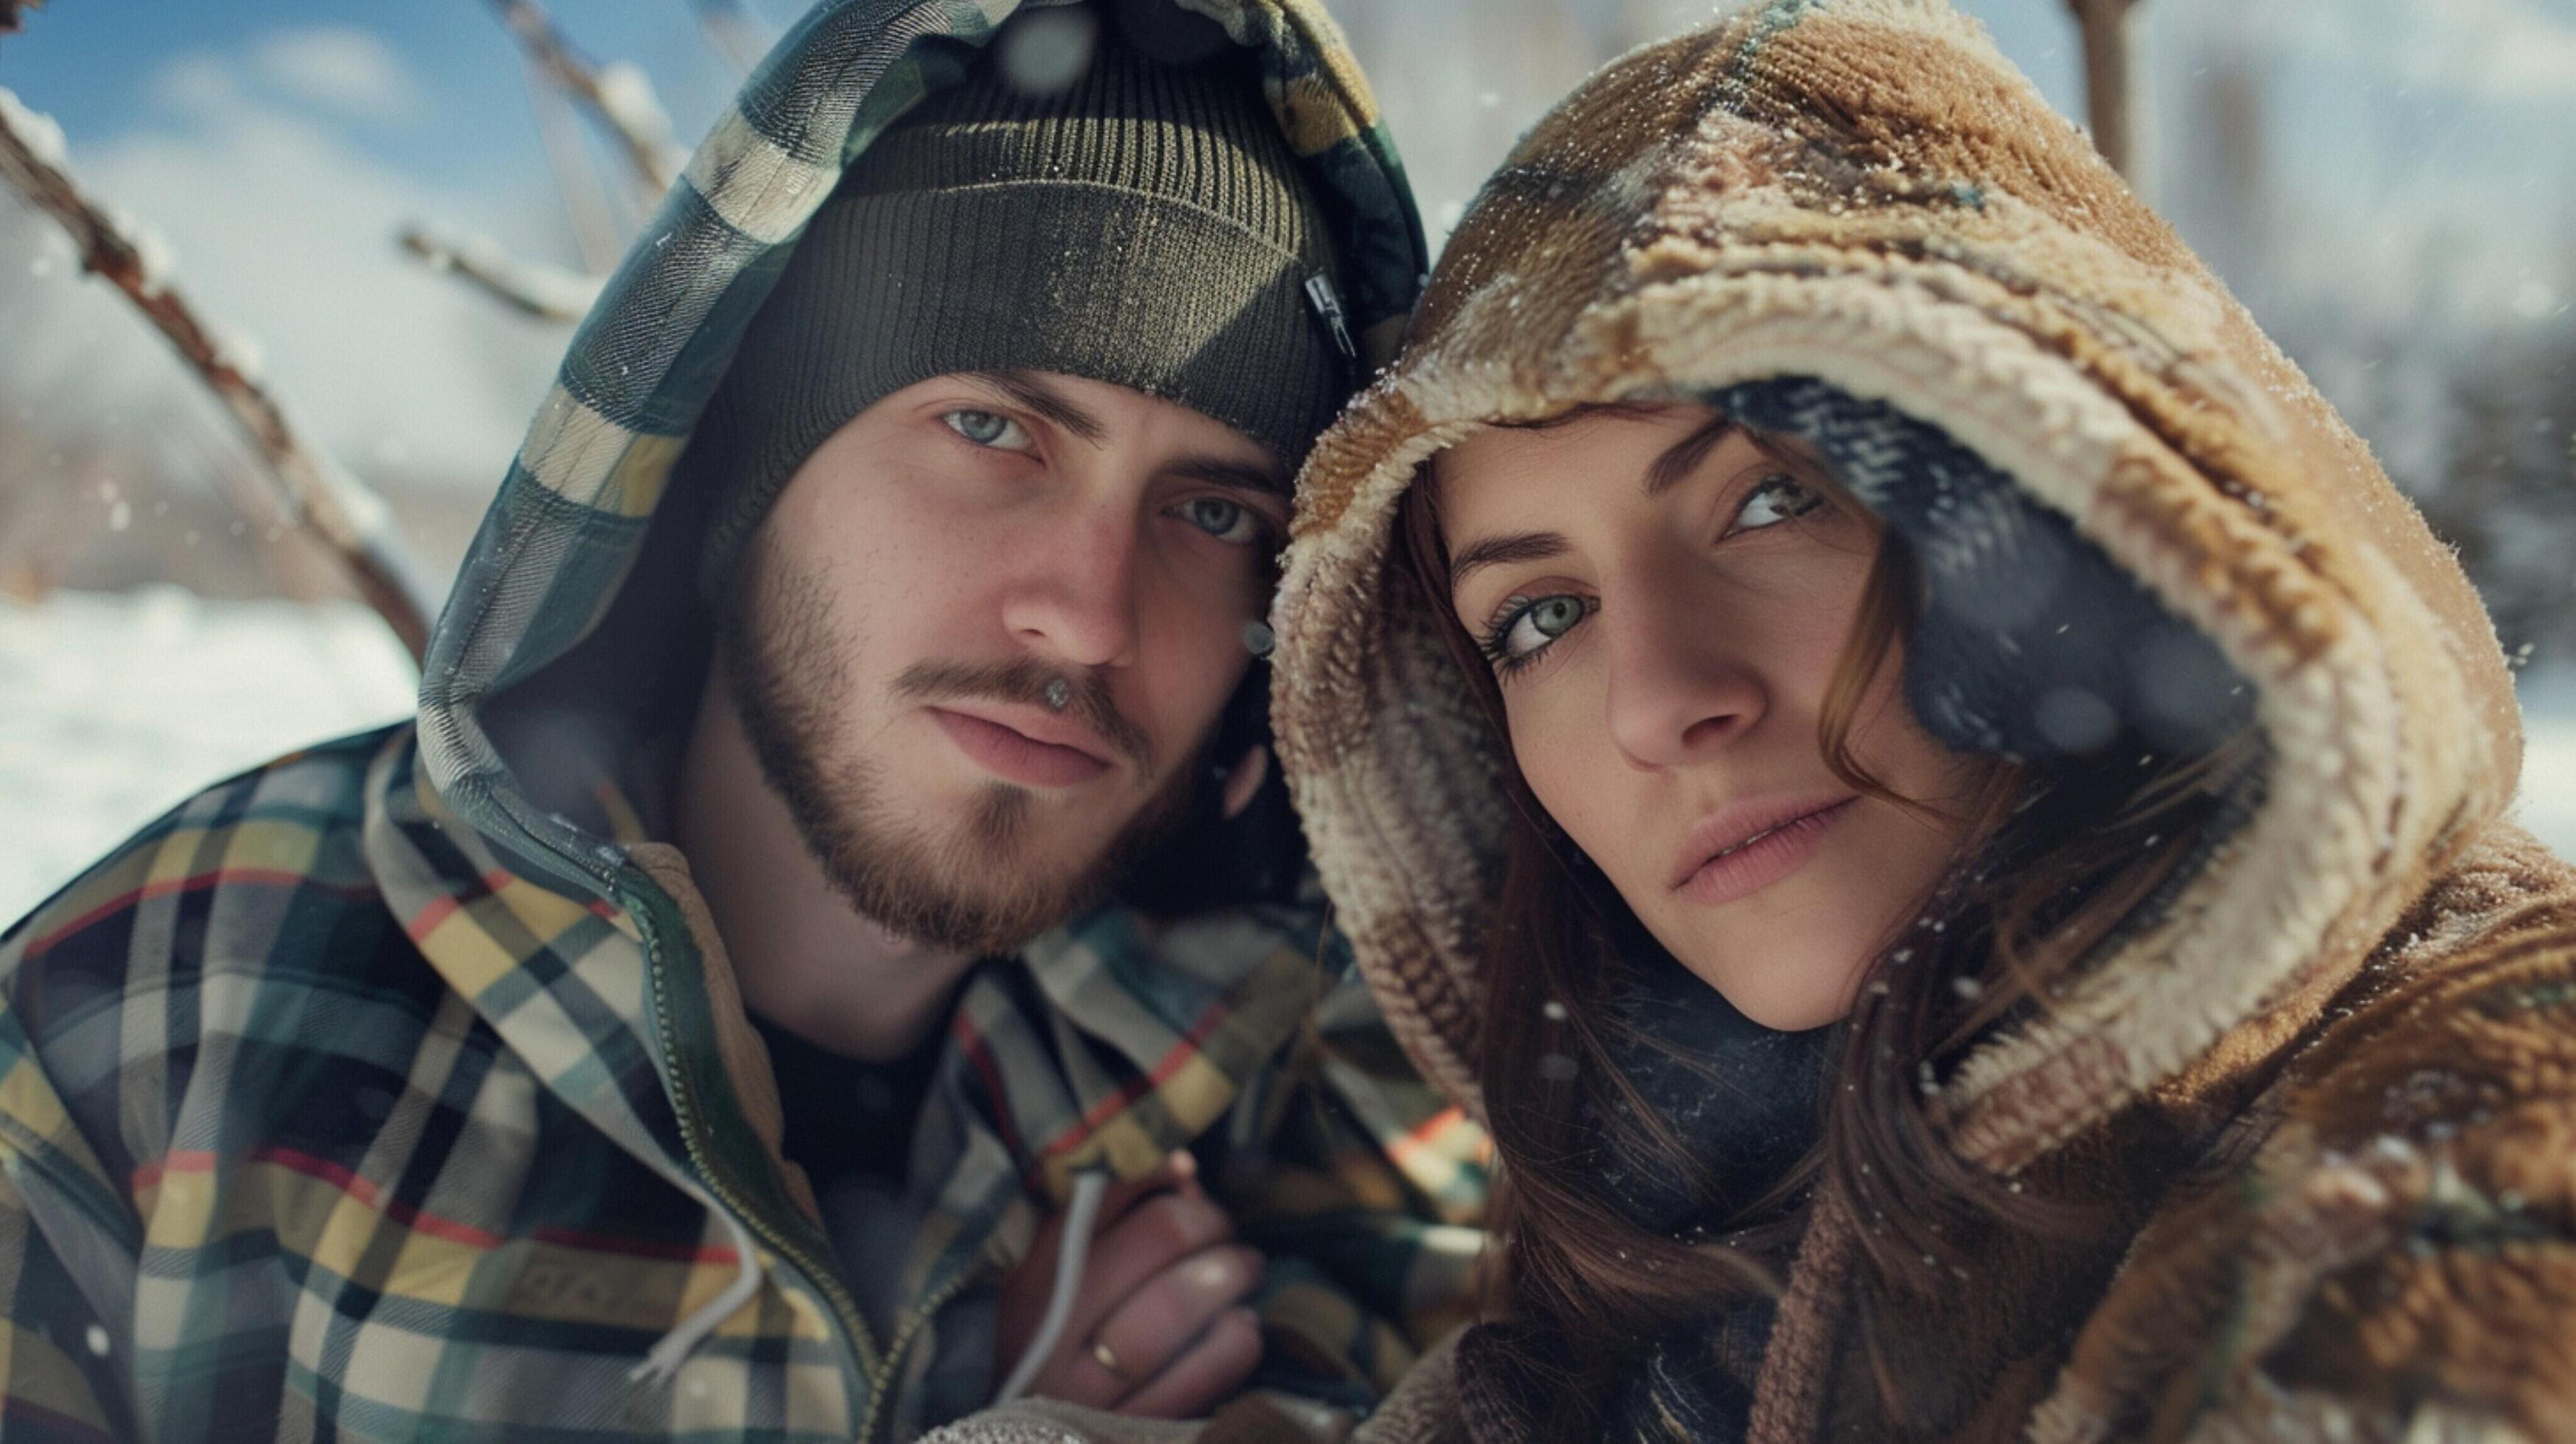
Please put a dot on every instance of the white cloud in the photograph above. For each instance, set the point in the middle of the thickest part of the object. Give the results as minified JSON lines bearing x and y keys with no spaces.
{"x":283,"y":232}
{"x":195,"y":83}
{"x":340,"y":68}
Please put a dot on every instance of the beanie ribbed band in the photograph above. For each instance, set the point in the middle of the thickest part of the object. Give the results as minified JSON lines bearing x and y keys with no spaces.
{"x":1146,"y":228}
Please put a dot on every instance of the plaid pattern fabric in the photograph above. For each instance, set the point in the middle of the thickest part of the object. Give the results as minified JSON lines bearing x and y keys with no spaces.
{"x":363,"y":1096}
{"x":319,"y":1118}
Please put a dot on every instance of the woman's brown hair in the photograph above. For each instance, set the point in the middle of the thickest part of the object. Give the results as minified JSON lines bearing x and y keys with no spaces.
{"x":2057,"y":858}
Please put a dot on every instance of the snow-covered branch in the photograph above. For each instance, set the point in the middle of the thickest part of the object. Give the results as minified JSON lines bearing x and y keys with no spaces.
{"x":548,"y":293}
{"x":619,"y":94}
{"x":2109,"y":79}
{"x":314,"y":492}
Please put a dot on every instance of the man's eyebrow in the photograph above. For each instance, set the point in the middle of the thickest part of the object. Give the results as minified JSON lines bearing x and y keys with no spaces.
{"x":1242,"y":476}
{"x":1034,"y":394}
{"x":1684,"y":456}
{"x":1521,"y":546}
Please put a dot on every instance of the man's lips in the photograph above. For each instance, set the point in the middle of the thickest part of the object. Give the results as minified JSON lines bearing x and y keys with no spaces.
{"x":1040,"y":750}
{"x":1749,"y":845}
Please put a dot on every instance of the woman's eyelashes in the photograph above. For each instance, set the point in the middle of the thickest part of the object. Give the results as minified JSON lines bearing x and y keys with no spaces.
{"x":989,"y":429}
{"x":1527,"y":626}
{"x":1772,"y":499}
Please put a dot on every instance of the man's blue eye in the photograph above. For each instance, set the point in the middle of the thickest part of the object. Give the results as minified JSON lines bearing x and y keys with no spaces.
{"x":988,"y":428}
{"x":1227,"y":521}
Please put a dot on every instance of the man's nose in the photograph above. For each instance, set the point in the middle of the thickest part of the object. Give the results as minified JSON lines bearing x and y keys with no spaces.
{"x":1073,"y":596}
{"x":1676,"y":693}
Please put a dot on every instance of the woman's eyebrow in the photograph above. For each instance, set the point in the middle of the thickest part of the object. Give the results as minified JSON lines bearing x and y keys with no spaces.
{"x":1520,"y":546}
{"x":1684,"y":456}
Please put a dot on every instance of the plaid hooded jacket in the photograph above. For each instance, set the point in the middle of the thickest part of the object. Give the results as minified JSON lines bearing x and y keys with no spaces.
{"x":398,"y":1089}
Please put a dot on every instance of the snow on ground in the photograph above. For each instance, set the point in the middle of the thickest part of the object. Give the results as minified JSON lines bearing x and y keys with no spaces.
{"x":2548,"y":802}
{"x":114,"y":707}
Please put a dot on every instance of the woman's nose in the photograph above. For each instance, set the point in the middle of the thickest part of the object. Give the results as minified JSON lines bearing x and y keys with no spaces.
{"x":1676,"y":693}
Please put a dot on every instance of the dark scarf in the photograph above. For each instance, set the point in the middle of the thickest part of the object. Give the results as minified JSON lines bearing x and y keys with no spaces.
{"x":1743,"y":1099}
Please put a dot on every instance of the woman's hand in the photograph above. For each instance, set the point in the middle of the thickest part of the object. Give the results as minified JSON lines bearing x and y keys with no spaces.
{"x":1158,"y":1328}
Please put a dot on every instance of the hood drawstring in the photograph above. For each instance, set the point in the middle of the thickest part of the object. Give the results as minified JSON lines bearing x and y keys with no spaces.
{"x":1071,"y":1253}
{"x":662,"y":1364}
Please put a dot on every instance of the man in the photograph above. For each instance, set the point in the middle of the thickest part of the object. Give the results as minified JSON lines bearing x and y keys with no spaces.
{"x":827,"y":847}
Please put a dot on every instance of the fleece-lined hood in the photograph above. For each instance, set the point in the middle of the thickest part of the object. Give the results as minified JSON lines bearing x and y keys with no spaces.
{"x":1863,"y":192}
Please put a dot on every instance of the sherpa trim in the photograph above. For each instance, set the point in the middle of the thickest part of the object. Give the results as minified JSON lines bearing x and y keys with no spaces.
{"x":1991,"y":277}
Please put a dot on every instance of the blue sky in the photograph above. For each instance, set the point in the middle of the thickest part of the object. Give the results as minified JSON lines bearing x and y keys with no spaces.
{"x":462,"y":117}
{"x":279,"y":145}
{"x":452,"y":111}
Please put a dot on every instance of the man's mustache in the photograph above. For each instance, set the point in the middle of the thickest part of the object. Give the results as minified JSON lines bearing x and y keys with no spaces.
{"x":1026,"y":681}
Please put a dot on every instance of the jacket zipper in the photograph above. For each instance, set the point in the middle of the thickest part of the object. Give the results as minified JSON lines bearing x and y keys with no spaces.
{"x":821,"y":1279}
{"x":876,"y":1370}
{"x":881,"y":1386}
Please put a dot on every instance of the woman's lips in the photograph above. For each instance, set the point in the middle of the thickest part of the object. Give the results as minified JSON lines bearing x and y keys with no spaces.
{"x":1014,"y":756}
{"x":1762,"y":860}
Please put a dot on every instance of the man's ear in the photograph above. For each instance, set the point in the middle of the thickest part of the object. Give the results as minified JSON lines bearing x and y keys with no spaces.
{"x":1243,"y":780}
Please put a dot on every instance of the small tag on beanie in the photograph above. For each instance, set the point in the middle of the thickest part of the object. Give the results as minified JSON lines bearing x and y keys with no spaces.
{"x":1328,"y":305}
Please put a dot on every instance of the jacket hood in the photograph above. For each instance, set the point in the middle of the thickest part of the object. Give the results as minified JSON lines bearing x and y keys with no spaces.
{"x":571,"y":632}
{"x":1862,"y":204}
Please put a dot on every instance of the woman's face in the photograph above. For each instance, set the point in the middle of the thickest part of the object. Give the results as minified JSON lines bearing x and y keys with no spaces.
{"x":1663,"y":602}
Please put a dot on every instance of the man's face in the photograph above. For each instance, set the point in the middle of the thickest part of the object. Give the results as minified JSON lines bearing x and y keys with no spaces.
{"x":951,"y":563}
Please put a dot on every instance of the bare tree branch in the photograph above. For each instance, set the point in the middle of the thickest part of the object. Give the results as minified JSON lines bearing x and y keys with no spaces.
{"x":2109,"y":76}
{"x":619,"y":95}
{"x":733,"y":32}
{"x":13,"y":12}
{"x":577,"y":179}
{"x":314,"y":492}
{"x":545,"y":292}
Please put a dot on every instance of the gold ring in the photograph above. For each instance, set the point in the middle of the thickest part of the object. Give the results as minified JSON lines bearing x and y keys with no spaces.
{"x":1101,"y":1355}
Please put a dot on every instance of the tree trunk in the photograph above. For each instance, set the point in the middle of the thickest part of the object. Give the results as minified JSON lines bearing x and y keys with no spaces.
{"x":2109,"y":98}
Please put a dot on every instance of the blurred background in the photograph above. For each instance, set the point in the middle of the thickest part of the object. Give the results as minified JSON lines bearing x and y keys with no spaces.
{"x":2390,"y":185}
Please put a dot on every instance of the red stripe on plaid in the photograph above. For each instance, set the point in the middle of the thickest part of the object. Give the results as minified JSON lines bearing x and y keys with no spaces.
{"x":443,"y":907}
{"x":981,"y":1058}
{"x":1438,"y":1123}
{"x":428,"y":918}
{"x":220,"y":877}
{"x":1135,"y":1088}
{"x":420,"y":1220}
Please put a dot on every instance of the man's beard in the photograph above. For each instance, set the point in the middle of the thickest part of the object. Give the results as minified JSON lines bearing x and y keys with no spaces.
{"x":968,"y":891}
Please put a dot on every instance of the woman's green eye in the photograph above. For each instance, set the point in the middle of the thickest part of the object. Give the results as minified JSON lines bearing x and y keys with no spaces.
{"x":1227,"y":521}
{"x":1776,"y":498}
{"x":988,"y":428}
{"x":1528,"y":626}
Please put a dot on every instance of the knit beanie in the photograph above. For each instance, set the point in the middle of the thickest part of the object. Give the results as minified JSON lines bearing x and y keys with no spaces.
{"x":1145,"y":226}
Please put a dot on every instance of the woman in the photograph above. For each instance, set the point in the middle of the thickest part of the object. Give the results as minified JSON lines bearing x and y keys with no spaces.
{"x":1866,"y":721}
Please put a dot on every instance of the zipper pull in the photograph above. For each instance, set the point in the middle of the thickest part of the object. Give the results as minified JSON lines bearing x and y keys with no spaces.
{"x":1328,"y":304}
